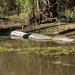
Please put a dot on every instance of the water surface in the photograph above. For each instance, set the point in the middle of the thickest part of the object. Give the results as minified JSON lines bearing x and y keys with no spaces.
{"x":20,"y":63}
{"x":23,"y":62}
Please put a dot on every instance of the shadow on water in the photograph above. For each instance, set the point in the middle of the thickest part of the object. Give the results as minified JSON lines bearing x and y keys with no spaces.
{"x":67,"y":31}
{"x":5,"y":32}
{"x":20,"y":63}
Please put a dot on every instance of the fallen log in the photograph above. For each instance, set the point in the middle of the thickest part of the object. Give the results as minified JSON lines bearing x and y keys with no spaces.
{"x":41,"y":26}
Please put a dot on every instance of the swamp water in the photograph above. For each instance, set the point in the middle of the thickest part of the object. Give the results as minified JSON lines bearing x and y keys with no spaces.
{"x":20,"y":62}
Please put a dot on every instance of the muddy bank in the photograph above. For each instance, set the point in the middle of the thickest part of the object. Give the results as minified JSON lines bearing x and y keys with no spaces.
{"x":12,"y":23}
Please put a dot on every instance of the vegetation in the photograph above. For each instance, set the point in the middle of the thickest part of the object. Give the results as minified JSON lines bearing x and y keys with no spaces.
{"x":12,"y":7}
{"x":25,"y":5}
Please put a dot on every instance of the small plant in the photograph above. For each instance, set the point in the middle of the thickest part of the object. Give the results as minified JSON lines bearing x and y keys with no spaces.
{"x":25,"y":5}
{"x":67,"y":15}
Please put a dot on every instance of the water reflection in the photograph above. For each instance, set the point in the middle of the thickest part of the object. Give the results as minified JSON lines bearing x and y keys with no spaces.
{"x":13,"y":43}
{"x":19,"y":42}
{"x":20,"y":63}
{"x":47,"y":43}
{"x":23,"y":43}
{"x":39,"y":43}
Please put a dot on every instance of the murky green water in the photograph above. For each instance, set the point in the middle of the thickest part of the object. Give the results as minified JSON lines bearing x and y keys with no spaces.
{"x":29,"y":62}
{"x":24,"y":43}
{"x":19,"y":63}
{"x":13,"y":43}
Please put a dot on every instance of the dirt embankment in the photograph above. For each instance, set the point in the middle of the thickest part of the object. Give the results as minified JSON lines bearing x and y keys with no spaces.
{"x":47,"y":28}
{"x":12,"y":23}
